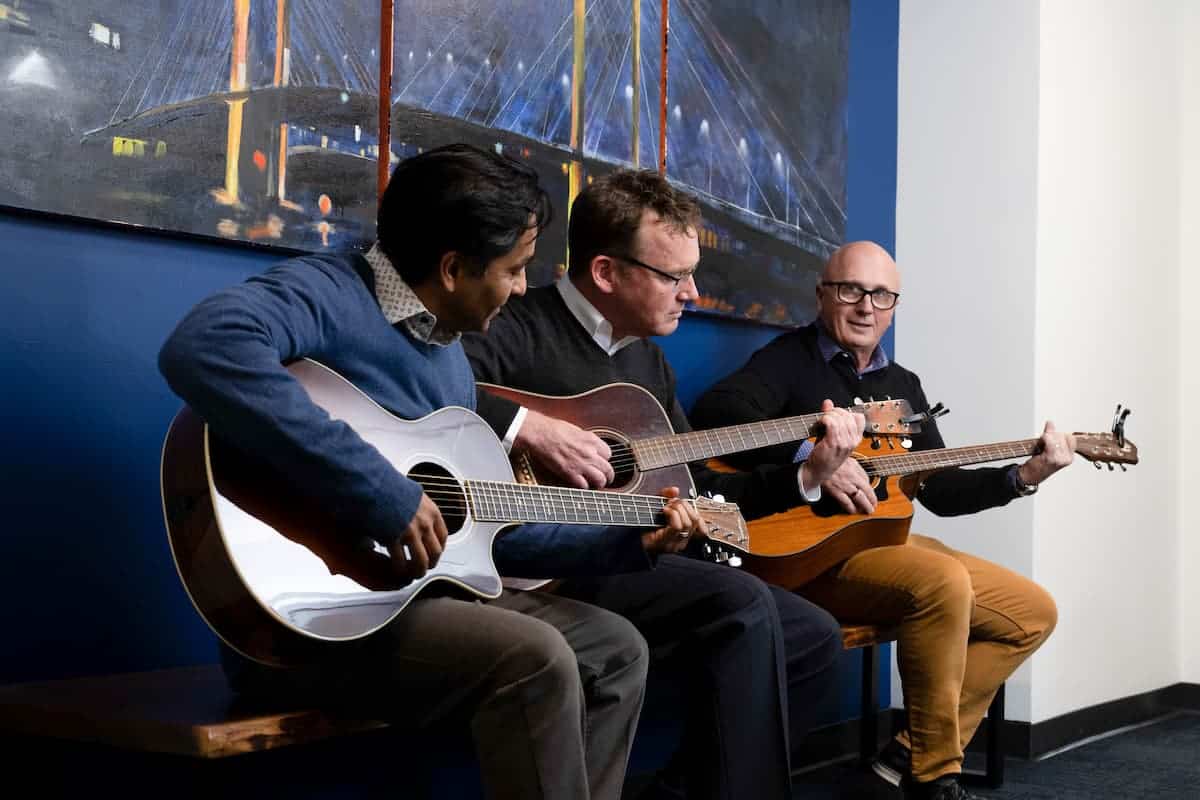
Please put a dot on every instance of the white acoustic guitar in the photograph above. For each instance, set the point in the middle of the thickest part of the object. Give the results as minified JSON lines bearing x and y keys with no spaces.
{"x":273,"y":575}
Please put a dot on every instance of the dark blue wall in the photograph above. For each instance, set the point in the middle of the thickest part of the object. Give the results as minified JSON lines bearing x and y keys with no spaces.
{"x":89,"y":584}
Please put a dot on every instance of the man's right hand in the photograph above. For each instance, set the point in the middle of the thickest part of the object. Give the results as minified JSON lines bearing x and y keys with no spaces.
{"x":577,"y":456}
{"x":843,"y":432}
{"x":851,"y":488}
{"x":418,"y":549}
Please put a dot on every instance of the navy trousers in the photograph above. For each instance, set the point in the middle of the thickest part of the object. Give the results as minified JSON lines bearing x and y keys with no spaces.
{"x":752,"y":661}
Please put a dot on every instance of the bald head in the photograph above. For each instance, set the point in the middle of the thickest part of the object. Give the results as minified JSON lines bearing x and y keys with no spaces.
{"x":861,"y":258}
{"x":857,"y":327}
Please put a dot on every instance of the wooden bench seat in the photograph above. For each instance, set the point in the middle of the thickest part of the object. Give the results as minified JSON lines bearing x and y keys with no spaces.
{"x":189,"y":711}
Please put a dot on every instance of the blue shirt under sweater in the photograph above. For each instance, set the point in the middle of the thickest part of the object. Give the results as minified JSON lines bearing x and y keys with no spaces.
{"x":225,"y":359}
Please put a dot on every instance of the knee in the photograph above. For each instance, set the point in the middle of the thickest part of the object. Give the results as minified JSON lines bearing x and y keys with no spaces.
{"x":810,"y":632}
{"x":542,"y":660}
{"x":947,"y":589}
{"x":1043,"y":614}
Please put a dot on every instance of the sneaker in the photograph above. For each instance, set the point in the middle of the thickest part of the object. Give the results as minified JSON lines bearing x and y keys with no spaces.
{"x":944,"y":788}
{"x":894,"y":763}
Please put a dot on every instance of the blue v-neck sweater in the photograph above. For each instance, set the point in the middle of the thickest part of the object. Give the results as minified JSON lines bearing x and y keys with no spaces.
{"x":226,"y":360}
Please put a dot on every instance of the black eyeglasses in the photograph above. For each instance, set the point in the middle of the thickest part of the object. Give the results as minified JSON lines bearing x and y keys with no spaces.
{"x":675,"y":278}
{"x":852,"y":294}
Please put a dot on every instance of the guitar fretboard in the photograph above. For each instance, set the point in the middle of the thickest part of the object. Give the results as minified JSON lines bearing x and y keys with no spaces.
{"x":664,"y":451}
{"x":882,"y":466}
{"x":495,"y":501}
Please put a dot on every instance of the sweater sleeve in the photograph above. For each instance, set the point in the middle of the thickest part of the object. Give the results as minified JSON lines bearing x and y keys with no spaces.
{"x":225,"y":359}
{"x":568,"y":551}
{"x":756,"y":392}
{"x":955,"y":491}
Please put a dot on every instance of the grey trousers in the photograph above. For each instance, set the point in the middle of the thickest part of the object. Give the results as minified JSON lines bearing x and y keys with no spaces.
{"x":550,"y":687}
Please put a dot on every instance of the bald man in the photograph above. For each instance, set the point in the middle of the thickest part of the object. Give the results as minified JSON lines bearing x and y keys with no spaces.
{"x":964,"y":623}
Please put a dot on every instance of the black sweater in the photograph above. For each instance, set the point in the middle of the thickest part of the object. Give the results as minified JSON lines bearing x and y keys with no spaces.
{"x":535,"y":344}
{"x":790,"y":376}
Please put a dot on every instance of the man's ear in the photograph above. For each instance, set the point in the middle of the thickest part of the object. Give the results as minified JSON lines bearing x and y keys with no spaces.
{"x":450,"y":270}
{"x":604,"y":273}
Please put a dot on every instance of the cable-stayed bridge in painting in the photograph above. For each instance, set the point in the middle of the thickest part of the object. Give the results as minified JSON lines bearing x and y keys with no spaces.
{"x":258,"y":119}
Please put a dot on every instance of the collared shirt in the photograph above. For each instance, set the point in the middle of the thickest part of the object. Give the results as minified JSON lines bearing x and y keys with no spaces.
{"x":829,"y":351}
{"x":599,"y":328}
{"x":399,"y":303}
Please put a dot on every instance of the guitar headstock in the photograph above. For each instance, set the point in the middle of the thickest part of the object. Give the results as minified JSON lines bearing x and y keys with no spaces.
{"x":1106,"y":448}
{"x":725,"y":522}
{"x":888,"y":418}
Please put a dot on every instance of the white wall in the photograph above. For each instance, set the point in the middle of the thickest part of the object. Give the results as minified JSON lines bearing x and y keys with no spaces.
{"x":1107,"y":273}
{"x":1039,"y":234}
{"x":1188,"y":42}
{"x":966,"y":211}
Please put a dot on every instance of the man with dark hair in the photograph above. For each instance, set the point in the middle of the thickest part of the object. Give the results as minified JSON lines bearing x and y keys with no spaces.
{"x":752,"y":660}
{"x":965,"y":624}
{"x":551,"y":687}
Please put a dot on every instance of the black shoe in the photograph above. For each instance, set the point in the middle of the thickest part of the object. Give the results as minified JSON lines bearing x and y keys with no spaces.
{"x":944,"y":788}
{"x":894,"y":763}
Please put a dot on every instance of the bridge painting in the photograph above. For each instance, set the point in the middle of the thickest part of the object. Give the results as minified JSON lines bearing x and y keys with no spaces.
{"x":257,"y":120}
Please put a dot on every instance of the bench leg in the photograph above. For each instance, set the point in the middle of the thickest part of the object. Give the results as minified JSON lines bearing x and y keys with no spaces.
{"x":868,"y":731}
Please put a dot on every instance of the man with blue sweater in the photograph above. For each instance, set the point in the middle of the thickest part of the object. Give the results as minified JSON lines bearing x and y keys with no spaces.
{"x":550,"y":687}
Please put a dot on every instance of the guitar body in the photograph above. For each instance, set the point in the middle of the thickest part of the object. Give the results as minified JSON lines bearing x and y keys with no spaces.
{"x":619,"y":413}
{"x":791,"y":548}
{"x":272,"y":572}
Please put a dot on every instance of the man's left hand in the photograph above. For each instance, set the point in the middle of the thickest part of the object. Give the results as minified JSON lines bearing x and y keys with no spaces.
{"x":1056,"y":450}
{"x":683,"y":521}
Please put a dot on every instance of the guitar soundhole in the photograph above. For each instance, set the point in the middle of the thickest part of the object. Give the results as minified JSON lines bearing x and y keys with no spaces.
{"x":624,"y":467}
{"x":445,"y":491}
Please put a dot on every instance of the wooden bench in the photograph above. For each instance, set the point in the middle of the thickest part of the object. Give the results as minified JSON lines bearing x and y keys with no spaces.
{"x":189,"y":711}
{"x":868,"y":638}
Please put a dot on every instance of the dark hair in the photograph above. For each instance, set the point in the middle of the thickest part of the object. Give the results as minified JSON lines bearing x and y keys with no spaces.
{"x":457,"y":198}
{"x":605,"y":216}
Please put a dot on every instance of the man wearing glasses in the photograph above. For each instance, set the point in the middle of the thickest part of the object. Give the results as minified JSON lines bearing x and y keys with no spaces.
{"x":964,"y":623}
{"x":752,"y":660}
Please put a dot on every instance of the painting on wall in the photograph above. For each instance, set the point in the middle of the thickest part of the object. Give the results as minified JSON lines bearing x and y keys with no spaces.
{"x":757,"y":130}
{"x":241,"y":119}
{"x":257,"y":120}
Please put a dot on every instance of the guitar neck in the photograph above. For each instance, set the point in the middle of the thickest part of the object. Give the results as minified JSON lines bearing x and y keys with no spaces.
{"x":496,"y":501}
{"x":924,"y":460}
{"x":665,"y":451}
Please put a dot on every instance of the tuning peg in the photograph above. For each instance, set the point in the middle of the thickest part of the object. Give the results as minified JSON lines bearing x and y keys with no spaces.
{"x":1122,"y":466}
{"x":875,"y":443}
{"x":857,"y":401}
{"x":734,"y":562}
{"x":906,"y":443}
{"x":1096,"y":464}
{"x":887,"y":397}
{"x":1109,"y":465}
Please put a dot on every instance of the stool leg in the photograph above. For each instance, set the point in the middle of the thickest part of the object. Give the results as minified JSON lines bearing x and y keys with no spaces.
{"x":868,"y":730}
{"x":995,"y":745}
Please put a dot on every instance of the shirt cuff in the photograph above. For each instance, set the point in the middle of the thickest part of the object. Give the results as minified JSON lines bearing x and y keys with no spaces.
{"x":514,"y":428}
{"x":809,"y":497}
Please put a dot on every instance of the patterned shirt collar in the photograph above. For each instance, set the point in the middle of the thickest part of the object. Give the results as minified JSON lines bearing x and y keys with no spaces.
{"x":830,"y":349}
{"x":599,"y":328}
{"x":399,"y":303}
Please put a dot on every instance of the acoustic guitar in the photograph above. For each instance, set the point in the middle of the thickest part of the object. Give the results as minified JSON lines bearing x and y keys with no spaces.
{"x":791,"y":548}
{"x":647,"y":454}
{"x":279,"y":580}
